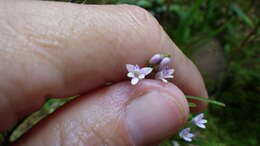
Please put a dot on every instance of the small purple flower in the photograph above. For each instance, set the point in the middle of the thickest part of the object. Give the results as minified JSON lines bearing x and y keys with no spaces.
{"x":164,"y":74}
{"x":137,"y":73}
{"x":199,"y":121}
{"x":186,"y":135}
{"x":164,"y":63}
{"x":155,"y":59}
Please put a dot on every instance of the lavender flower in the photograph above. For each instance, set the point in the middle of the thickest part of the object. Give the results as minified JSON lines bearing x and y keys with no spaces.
{"x":155,"y":59}
{"x":137,"y":73}
{"x":186,"y":135}
{"x":164,"y":63}
{"x":164,"y":74}
{"x":199,"y":121}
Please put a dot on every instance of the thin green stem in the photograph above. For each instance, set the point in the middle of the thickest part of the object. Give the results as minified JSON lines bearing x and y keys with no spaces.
{"x":206,"y":100}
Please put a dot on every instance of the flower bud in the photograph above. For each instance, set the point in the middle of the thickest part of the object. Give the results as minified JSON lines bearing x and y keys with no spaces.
{"x":155,"y":59}
{"x":164,"y":62}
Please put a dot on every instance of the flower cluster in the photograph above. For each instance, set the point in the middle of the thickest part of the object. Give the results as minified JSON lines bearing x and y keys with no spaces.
{"x":198,"y":121}
{"x":163,"y":66}
{"x":159,"y":62}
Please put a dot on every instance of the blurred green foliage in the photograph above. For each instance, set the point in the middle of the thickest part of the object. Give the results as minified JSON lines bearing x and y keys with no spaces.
{"x":235,"y":26}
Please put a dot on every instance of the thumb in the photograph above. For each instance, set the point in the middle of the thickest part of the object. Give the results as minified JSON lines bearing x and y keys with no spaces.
{"x":117,"y":115}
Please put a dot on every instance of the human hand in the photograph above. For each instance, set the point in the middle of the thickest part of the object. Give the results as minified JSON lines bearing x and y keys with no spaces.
{"x":53,"y":49}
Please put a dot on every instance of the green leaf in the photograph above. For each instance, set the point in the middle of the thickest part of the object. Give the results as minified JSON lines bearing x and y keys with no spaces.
{"x":242,"y":15}
{"x":144,"y":4}
{"x":206,"y":100}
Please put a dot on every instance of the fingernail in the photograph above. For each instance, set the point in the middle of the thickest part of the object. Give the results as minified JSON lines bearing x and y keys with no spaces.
{"x":154,"y":117}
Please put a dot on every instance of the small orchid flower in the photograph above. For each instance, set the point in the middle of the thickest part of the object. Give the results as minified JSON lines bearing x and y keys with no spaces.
{"x":156,"y":58}
{"x":164,"y":74}
{"x":164,"y":63}
{"x":137,"y":73}
{"x":186,"y":135}
{"x":199,"y":121}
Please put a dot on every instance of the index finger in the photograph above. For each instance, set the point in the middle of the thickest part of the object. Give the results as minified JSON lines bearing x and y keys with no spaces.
{"x":72,"y":49}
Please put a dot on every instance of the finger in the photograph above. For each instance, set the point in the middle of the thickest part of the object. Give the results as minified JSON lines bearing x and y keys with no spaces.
{"x":118,"y":115}
{"x":72,"y":49}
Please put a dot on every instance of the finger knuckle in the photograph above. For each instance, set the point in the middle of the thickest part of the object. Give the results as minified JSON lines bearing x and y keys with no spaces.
{"x":145,"y":25}
{"x":141,"y":16}
{"x":138,"y":13}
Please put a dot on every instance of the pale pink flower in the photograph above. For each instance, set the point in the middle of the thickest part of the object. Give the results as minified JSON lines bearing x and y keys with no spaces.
{"x":186,"y":135}
{"x":164,"y":74}
{"x":137,"y":73}
{"x":199,"y":121}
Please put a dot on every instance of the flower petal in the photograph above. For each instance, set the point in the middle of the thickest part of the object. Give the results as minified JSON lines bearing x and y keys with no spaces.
{"x":164,"y":80}
{"x":198,"y":117}
{"x":130,"y":75}
{"x":146,"y":70}
{"x":188,"y":136}
{"x":170,"y":71}
{"x":201,"y":125}
{"x":184,"y":132}
{"x":134,"y":81}
{"x":187,"y":139}
{"x":141,"y":76}
{"x":169,"y":76}
{"x":130,"y":67}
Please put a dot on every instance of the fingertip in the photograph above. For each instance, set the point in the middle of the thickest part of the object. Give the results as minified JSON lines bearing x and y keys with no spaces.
{"x":169,"y":88}
{"x":158,"y":113}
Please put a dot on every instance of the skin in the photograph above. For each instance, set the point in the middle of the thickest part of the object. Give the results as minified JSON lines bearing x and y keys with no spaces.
{"x":54,"y":49}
